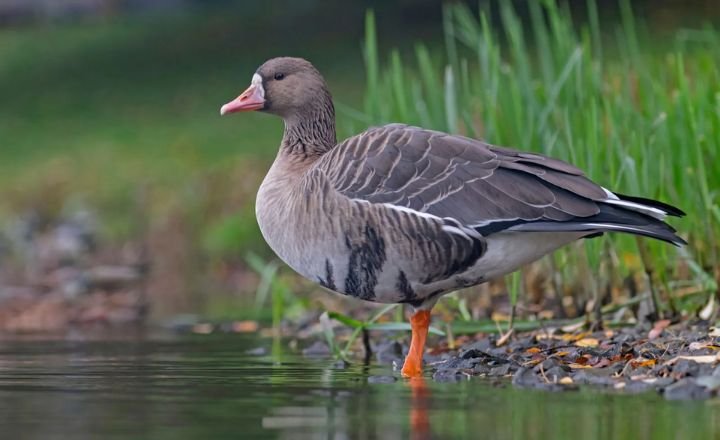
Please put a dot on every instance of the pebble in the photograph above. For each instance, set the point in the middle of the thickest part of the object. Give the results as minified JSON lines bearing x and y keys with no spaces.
{"x":449,"y":376}
{"x":388,"y":352}
{"x":502,"y":370}
{"x":318,"y":348}
{"x":712,"y":383}
{"x":686,"y":389}
{"x":594,"y":376}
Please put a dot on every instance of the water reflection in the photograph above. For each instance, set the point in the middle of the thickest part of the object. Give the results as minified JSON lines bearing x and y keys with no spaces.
{"x":207,"y":387}
{"x":419,"y":419}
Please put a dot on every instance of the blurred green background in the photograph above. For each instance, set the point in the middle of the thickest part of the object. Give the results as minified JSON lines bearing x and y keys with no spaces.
{"x":113,"y":155}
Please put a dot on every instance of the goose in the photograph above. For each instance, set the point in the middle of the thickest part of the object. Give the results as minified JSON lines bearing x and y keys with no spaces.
{"x":402,"y":214}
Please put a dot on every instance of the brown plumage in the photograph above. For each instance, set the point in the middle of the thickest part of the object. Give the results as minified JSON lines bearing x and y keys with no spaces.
{"x":405,"y":214}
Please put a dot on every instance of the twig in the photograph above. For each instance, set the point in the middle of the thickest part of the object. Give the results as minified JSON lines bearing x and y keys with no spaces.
{"x":542,"y":373}
{"x":649,"y":269}
{"x":366,"y":345}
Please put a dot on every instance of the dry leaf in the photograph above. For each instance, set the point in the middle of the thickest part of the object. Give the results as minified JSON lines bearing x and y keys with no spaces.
{"x":658,"y":328}
{"x":641,"y":362}
{"x":707,"y":359}
{"x":582,"y":360}
{"x":245,"y":326}
{"x":573,"y":327}
{"x":708,"y":310}
{"x":504,"y":338}
{"x":587,"y":342}
{"x":576,"y":365}
{"x":699,"y":345}
{"x":566,"y":380}
{"x":533,"y":350}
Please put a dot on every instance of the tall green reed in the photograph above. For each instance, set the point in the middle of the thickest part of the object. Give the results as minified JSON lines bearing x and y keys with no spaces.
{"x":640,"y":118}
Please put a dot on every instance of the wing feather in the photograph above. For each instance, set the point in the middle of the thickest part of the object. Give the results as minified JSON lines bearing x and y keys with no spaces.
{"x":467,"y":181}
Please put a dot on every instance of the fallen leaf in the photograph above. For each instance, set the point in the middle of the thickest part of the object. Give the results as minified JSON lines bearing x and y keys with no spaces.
{"x":641,"y":377}
{"x":576,"y":365}
{"x":561,"y":353}
{"x":566,"y":380}
{"x":587,"y":342}
{"x":504,"y":338}
{"x":573,"y":337}
{"x":642,"y":362}
{"x":582,"y":360}
{"x":245,"y":326}
{"x":658,"y":328}
{"x":573,"y":327}
{"x":708,"y":310}
{"x":706,"y":359}
{"x":602,"y":363}
{"x":533,"y":350}
{"x":699,"y":345}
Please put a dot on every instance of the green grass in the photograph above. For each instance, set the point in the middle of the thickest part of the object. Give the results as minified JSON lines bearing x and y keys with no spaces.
{"x":122,"y":116}
{"x":113,"y":112}
{"x":639,"y":116}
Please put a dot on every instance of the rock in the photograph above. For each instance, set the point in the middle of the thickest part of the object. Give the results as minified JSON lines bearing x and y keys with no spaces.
{"x":547,"y":364}
{"x":712,"y":383}
{"x":594,"y":376}
{"x":637,"y":386}
{"x":318,"y":348}
{"x":686,"y":367}
{"x":716,"y":371}
{"x":340,"y":365}
{"x":663,"y":382}
{"x":482,"y":345}
{"x":686,"y":389}
{"x":449,"y":376}
{"x":525,"y":377}
{"x":554,"y":374}
{"x":388,"y":352}
{"x":481,"y":369}
{"x":459,"y":363}
{"x":501,"y":370}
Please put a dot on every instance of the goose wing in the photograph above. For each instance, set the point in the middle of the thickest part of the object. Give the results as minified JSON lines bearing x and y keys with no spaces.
{"x":480,"y":187}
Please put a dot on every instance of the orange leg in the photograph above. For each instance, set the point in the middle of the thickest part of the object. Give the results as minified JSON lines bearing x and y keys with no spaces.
{"x":419,"y":322}
{"x":419,"y":418}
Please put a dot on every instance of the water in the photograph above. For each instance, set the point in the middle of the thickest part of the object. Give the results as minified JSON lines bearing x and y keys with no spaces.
{"x":207,"y":387}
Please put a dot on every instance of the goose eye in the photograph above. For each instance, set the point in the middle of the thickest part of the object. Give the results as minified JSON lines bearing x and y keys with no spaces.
{"x":279,"y":76}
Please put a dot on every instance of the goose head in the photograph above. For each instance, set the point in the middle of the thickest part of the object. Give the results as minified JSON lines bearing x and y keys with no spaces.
{"x":282,"y":86}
